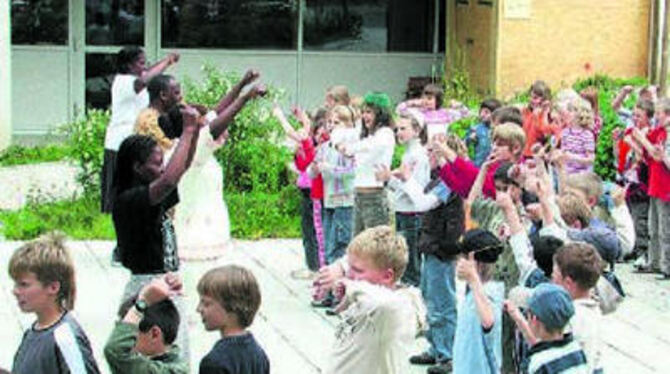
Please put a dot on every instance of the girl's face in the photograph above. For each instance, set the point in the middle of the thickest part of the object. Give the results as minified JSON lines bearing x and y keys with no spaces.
{"x":321,"y":134}
{"x":566,"y":118}
{"x":152,"y":167}
{"x":535,"y":100}
{"x":330,"y":101}
{"x":405,"y":131}
{"x":640,"y":118}
{"x":368,"y":117}
{"x":138,"y":66}
{"x":429,"y":102}
{"x":485,"y":115}
{"x":334,"y":122}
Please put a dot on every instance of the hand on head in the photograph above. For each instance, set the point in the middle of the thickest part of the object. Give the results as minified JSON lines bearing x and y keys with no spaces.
{"x":466,"y":268}
{"x":160,"y":289}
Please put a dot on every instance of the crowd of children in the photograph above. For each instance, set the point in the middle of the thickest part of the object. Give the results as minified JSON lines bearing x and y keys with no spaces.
{"x":514,"y":210}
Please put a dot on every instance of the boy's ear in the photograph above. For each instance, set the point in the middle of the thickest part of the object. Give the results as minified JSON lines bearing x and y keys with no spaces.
{"x":156,"y":333}
{"x":53,"y":287}
{"x":389,"y":275}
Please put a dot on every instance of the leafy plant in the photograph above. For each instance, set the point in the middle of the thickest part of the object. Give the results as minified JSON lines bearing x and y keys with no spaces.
{"x":86,"y":141}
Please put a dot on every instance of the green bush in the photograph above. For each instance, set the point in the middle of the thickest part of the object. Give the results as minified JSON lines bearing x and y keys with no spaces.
{"x":86,"y":141}
{"x":20,"y":155}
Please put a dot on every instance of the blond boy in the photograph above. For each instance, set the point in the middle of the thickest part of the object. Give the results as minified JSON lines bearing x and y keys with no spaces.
{"x":379,"y":319}
{"x":229,"y":300}
{"x":44,"y":284}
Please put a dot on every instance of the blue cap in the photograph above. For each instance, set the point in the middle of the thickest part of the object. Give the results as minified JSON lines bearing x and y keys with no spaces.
{"x":552,"y":305}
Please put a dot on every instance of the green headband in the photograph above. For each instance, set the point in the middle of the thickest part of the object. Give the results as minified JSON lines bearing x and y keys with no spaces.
{"x":378,"y":99}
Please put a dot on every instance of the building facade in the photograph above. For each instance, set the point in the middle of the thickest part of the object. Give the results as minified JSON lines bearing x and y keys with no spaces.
{"x":62,"y":51}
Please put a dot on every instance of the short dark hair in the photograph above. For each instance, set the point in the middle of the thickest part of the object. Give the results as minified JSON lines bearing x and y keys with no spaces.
{"x":158,"y":84}
{"x":125,"y":57}
{"x":165,"y":315}
{"x":581,"y":262}
{"x":490,"y":104}
{"x":544,"y":248}
{"x":540,"y":88}
{"x":507,"y":114}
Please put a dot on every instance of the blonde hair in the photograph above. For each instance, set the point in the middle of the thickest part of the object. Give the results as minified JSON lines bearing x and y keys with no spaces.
{"x":383,"y":247}
{"x":664,"y":105}
{"x":418,"y":126}
{"x":588,"y":182}
{"x":235,"y":288}
{"x":147,"y":124}
{"x":50,"y":261}
{"x":584,"y":115}
{"x":340,"y":94}
{"x":510,"y":134}
{"x":574,"y":208}
{"x":343,"y":113}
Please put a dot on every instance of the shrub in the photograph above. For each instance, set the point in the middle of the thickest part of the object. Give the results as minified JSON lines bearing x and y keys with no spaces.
{"x":86,"y":141}
{"x":20,"y":155}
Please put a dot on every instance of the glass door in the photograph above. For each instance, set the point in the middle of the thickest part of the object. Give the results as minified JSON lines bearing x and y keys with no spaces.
{"x":109,"y":26}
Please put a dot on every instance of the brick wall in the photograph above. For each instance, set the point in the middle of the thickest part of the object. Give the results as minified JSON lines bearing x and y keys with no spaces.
{"x":567,"y":39}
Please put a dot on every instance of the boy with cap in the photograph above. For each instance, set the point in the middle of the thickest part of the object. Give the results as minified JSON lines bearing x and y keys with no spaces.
{"x":478,"y":344}
{"x":549,"y":311}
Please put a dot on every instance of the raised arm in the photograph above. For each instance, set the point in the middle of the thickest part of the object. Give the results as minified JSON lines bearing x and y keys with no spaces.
{"x":154,"y":70}
{"x":286,"y":126}
{"x":477,"y":187}
{"x":180,"y":160}
{"x":620,"y":97}
{"x":221,"y":122}
{"x":234,"y":93}
{"x":466,"y":269}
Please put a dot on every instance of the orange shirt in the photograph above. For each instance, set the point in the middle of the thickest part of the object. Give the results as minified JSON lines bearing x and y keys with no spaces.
{"x":536,"y":127}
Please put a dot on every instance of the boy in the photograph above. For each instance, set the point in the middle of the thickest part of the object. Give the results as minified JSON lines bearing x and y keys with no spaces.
{"x":229,"y":300}
{"x":656,"y":156}
{"x":379,"y":319}
{"x":549,"y":311}
{"x":44,"y":284}
{"x":506,"y":114}
{"x":142,"y":341}
{"x":478,"y":340}
{"x":479,"y":136}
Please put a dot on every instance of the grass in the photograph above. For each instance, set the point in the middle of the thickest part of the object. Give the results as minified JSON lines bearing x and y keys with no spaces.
{"x":253,"y":216}
{"x":20,"y":155}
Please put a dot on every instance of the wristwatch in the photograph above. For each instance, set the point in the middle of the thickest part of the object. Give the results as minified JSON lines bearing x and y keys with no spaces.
{"x":141,"y":305}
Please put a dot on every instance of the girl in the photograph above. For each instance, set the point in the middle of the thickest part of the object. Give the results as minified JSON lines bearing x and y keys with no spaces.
{"x":375,"y":148}
{"x":577,"y":139}
{"x":590,"y":94}
{"x":429,"y":106}
{"x":145,"y":190}
{"x":129,"y":97}
{"x":411,"y":132}
{"x":336,"y":95}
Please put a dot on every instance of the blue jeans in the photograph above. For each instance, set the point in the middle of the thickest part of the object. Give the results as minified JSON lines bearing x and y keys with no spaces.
{"x":438,"y":287}
{"x":409,"y":226}
{"x":337,"y":231}
{"x":308,"y":234}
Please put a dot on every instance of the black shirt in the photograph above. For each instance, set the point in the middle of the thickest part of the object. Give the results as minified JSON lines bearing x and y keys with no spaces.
{"x":236,"y":355}
{"x":144,"y":232}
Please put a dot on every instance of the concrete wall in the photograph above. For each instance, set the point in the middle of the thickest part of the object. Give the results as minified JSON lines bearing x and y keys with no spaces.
{"x":564,"y":40}
{"x":5,"y":76}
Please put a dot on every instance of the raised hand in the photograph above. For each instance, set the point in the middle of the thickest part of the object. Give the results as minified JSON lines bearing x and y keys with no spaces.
{"x":466,"y":268}
{"x":173,"y":58}
{"x":190,"y":117}
{"x":404,"y":172}
{"x":250,"y":76}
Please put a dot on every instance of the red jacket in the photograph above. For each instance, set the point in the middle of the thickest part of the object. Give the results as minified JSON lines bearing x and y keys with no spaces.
{"x":659,"y":175}
{"x":460,"y":175}
{"x":303,"y":158}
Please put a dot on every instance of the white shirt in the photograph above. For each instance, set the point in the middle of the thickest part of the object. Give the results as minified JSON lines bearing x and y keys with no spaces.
{"x":126,"y":105}
{"x":377,"y":330}
{"x":416,"y":158}
{"x":585,"y":327}
{"x":374,"y":150}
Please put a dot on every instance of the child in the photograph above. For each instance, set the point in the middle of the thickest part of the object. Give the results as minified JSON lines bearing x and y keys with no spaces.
{"x":412,"y":133}
{"x":375,"y":148}
{"x":477,"y":344}
{"x":536,"y":121}
{"x":229,"y":300}
{"x":656,"y":145}
{"x":590,"y":94}
{"x":441,"y":226}
{"x":336,"y":95}
{"x":506,"y":114}
{"x":44,"y":284}
{"x":549,"y":311}
{"x":379,"y":319}
{"x":480,"y":135}
{"x":577,"y":140}
{"x":429,"y":106}
{"x":338,"y":180}
{"x":142,"y":341}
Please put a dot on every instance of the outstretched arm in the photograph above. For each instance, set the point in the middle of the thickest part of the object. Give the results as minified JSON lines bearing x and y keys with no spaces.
{"x":621,"y":96}
{"x":180,"y":160}
{"x":154,"y":70}
{"x":221,"y":122}
{"x":288,"y":129}
{"x":234,"y":93}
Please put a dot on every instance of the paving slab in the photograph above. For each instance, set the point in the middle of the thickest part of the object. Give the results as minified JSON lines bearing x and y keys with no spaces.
{"x":297,"y":337}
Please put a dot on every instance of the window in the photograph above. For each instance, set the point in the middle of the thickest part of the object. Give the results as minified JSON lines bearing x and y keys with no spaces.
{"x":100,"y":71}
{"x":115,"y":22}
{"x":234,"y":24}
{"x":369,"y":25}
{"x":39,"y":21}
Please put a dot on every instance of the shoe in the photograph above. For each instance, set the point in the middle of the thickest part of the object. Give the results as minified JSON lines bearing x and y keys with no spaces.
{"x":325,"y":303}
{"x":422,"y":359}
{"x":441,"y":368}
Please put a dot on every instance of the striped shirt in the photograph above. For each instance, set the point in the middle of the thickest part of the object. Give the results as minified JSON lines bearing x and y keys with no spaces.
{"x":560,"y":356}
{"x":61,"y":348}
{"x":579,"y":142}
